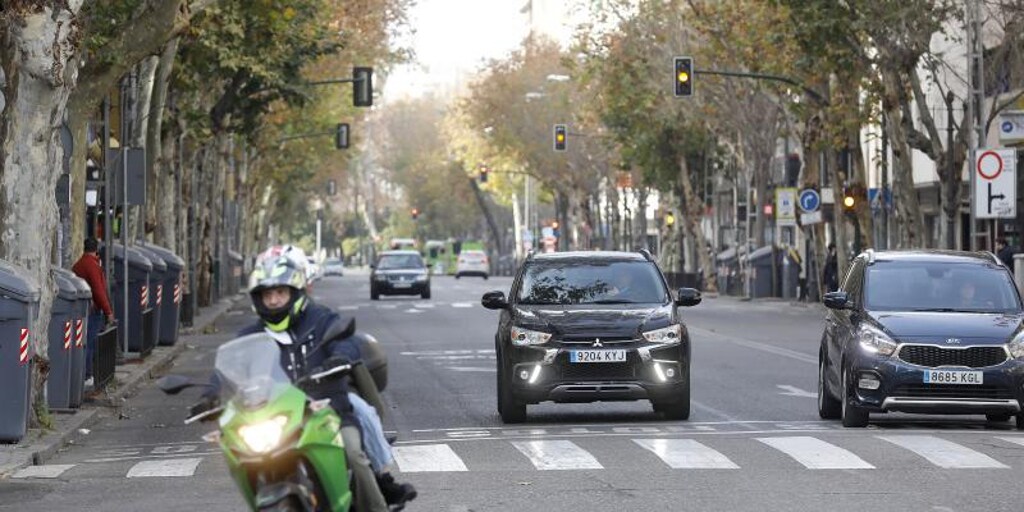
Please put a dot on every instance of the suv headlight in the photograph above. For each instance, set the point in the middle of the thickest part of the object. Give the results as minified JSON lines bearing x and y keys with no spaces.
{"x":421,"y":277}
{"x":875,"y":341}
{"x":524,"y":337}
{"x":1016,"y":347}
{"x":263,"y":436}
{"x":670,"y":334}
{"x":380,"y":277}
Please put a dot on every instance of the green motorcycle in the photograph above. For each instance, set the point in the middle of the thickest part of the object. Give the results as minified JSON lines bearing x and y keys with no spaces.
{"x":284,"y":450}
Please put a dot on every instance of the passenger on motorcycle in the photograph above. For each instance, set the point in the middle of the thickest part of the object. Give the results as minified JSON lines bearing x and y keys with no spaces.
{"x":308,"y":334}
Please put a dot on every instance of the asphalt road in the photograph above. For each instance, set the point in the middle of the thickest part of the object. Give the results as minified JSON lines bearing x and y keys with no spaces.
{"x":754,"y":441}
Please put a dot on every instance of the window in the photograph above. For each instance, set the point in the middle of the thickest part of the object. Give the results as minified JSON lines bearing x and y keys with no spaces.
{"x":940,"y":286}
{"x":621,"y":282}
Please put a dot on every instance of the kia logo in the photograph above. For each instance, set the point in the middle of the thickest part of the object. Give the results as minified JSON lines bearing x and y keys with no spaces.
{"x":952,"y":341}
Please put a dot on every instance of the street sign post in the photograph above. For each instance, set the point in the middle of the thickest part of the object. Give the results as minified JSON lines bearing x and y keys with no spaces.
{"x":810,"y":201}
{"x":995,"y":183}
{"x":785,"y":206}
{"x":808,"y":218}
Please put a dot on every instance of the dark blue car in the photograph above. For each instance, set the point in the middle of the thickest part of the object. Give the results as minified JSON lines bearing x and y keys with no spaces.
{"x":934,"y":332}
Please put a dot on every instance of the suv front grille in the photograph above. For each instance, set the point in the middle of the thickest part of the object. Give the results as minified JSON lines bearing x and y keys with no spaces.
{"x":952,"y":391}
{"x":971,"y":357}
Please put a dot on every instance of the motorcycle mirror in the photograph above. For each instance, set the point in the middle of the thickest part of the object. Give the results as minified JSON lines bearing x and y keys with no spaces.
{"x":173,"y":384}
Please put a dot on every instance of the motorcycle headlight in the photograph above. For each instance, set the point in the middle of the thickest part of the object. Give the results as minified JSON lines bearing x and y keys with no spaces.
{"x":670,"y":334}
{"x":264,"y":436}
{"x":523,"y":337}
{"x":1016,"y":347}
{"x":875,"y":341}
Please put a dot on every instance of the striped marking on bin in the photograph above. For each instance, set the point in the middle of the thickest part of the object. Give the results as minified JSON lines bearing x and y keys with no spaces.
{"x":67,"y":335}
{"x":144,"y":296}
{"x":159,"y":294}
{"x":177,"y":293}
{"x":79,"y":332}
{"x":23,"y":349}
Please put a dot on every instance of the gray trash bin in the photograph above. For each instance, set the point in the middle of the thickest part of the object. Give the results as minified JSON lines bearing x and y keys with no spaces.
{"x":19,"y":302}
{"x":61,"y":334}
{"x":170,"y":310}
{"x":82,"y":309}
{"x":760,"y":262}
{"x":155,"y":292}
{"x":131,"y":322}
{"x":790,"y":273}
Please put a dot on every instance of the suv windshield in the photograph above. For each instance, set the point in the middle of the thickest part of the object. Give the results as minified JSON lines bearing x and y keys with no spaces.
{"x":622,"y":282}
{"x":393,"y":261}
{"x":933,"y":286}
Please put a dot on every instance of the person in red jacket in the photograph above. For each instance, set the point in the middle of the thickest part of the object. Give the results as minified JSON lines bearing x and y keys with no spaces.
{"x":90,"y":268}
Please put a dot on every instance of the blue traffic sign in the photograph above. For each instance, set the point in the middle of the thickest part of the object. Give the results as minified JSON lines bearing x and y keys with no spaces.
{"x":1007,"y":126}
{"x":809,"y":200}
{"x":876,"y":202}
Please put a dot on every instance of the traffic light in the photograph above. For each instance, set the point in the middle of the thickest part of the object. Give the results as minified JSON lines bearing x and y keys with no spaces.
{"x":560,"y":137}
{"x":684,"y":76}
{"x":362,"y":87}
{"x":483,"y":174}
{"x":415,"y":213}
{"x":341,"y":136}
{"x":670,"y":219}
{"x":850,"y":199}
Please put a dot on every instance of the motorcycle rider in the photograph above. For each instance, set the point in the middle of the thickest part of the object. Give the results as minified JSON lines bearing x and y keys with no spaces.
{"x":277,"y":288}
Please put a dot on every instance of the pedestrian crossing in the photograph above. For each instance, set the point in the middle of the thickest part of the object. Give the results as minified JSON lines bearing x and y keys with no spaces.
{"x":733,"y":453}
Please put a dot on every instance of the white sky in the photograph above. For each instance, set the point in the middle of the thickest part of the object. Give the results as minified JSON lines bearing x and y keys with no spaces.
{"x":453,"y":37}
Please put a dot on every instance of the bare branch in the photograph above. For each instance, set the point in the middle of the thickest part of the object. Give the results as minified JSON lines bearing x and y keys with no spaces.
{"x":926,"y":117}
{"x":1002,"y":106}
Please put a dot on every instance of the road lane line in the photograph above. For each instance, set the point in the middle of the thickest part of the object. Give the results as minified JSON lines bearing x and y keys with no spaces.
{"x":1014,"y":440}
{"x":44,"y":471}
{"x":557,"y":455}
{"x":462,"y":305}
{"x":427,"y":458}
{"x":943,"y":453}
{"x":814,"y":453}
{"x":788,"y":390}
{"x":164,"y":468}
{"x":686,"y":454}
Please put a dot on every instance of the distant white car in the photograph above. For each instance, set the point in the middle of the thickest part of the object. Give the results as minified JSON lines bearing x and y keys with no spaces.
{"x":333,"y":267}
{"x":472,"y":263}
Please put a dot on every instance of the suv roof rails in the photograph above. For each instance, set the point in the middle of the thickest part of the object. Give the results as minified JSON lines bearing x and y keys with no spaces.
{"x":646,"y":254}
{"x":994,"y":257}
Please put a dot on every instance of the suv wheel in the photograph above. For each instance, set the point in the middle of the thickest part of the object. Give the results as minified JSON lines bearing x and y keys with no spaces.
{"x":510,"y":410}
{"x":853,"y":416}
{"x":374,"y":294}
{"x":679,"y":408}
{"x":828,"y":407}
{"x":1020,"y":421}
{"x":426,"y":293}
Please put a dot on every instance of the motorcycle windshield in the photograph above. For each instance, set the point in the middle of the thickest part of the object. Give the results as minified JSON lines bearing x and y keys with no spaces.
{"x":250,"y":368}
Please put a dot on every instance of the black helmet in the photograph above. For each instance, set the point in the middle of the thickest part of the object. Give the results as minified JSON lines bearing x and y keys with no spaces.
{"x":271,"y":273}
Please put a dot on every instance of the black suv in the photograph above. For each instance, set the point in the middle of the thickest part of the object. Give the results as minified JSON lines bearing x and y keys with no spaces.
{"x":399,"y":273}
{"x":591,"y":326}
{"x":922,"y":332}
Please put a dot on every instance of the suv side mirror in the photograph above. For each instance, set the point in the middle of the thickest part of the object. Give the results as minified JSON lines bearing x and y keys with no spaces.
{"x":688,"y":297}
{"x":837,"y":300}
{"x":373,"y":266}
{"x":494,"y":300}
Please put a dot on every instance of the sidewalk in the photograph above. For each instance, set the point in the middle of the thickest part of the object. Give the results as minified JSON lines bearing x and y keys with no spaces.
{"x":40,"y":445}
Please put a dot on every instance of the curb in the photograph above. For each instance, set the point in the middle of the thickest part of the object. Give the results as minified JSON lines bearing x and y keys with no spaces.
{"x":47,"y":446}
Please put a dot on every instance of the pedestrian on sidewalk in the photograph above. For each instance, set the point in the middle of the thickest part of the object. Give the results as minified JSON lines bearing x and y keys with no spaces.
{"x":830,"y":277}
{"x":1005,"y":253}
{"x":90,"y":267}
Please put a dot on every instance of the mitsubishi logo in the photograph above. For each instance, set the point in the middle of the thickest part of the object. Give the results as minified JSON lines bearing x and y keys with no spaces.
{"x":597,"y":342}
{"x":952,"y":341}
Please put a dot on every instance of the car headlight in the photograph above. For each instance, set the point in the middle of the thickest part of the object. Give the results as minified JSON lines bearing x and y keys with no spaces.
{"x":421,"y":278}
{"x":380,"y":277}
{"x":1016,"y":347}
{"x":875,"y":341}
{"x":523,"y":337}
{"x":670,"y":334}
{"x":264,"y":436}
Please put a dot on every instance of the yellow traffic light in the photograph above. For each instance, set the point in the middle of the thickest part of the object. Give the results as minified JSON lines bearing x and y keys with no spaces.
{"x":683,"y":76}
{"x":849,"y":201}
{"x":670,"y":219}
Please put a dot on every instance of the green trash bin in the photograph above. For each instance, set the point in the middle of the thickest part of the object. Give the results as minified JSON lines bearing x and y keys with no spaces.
{"x":19,"y":303}
{"x":61,"y":334}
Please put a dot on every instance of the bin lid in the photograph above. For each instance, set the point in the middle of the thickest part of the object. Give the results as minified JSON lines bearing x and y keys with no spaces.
{"x":135,"y":258}
{"x":763,"y":252}
{"x":17,"y":283}
{"x":84,"y":290}
{"x":172,"y":260}
{"x":66,"y":288}
{"x":154,"y":259}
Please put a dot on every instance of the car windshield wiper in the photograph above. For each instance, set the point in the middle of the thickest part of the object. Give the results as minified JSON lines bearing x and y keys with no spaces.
{"x":947,"y":310}
{"x":613,"y":301}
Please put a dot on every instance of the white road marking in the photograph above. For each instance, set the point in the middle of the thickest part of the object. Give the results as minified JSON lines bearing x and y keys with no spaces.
{"x":1014,"y":440}
{"x":414,"y":310}
{"x":425,"y":305}
{"x":462,"y":305}
{"x":943,"y":453}
{"x":45,"y":471}
{"x":814,"y":453}
{"x":788,"y":390}
{"x":472,"y":369}
{"x":347,"y":308}
{"x":164,"y":468}
{"x":387,"y":306}
{"x":686,"y":454}
{"x":557,"y":455}
{"x":431,"y":457}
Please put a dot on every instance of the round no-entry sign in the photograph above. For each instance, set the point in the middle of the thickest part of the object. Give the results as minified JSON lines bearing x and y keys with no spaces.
{"x":990,"y":165}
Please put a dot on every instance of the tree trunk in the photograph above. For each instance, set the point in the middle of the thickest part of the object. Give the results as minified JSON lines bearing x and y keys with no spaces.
{"x":908,"y":209}
{"x":693,"y":216}
{"x":160,"y":157}
{"x":760,"y":174}
{"x":36,"y":46}
{"x":140,"y":127}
